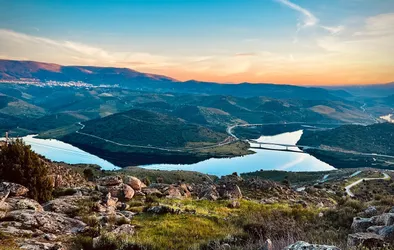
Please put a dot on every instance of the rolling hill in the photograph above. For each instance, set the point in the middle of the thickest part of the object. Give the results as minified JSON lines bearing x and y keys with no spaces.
{"x":127,"y":78}
{"x":376,"y":138}
{"x":146,"y":128}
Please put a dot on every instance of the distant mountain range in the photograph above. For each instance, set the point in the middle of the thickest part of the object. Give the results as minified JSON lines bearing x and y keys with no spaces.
{"x":371,"y":90}
{"x":134,"y":80}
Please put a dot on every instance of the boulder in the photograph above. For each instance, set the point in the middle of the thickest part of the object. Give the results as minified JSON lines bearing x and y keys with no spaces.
{"x":110,"y":181}
{"x":374,"y":229}
{"x":368,"y":240}
{"x":361,"y":224}
{"x":127,"y":192}
{"x":110,"y":201}
{"x":19,"y":203}
{"x":386,"y":219}
{"x":65,"y":204}
{"x":134,"y":182}
{"x":173,"y":193}
{"x":162,"y":209}
{"x":301,"y":245}
{"x":387,"y":233}
{"x":371,"y":211}
{"x":124,"y":229}
{"x":230,"y":191}
{"x":13,"y":188}
{"x":121,"y":191}
{"x":208,"y":192}
{"x":152,"y":191}
{"x":47,"y":222}
{"x":32,"y":244}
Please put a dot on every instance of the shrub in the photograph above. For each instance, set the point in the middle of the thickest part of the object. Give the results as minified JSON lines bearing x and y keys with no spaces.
{"x":88,"y":174}
{"x":19,"y":164}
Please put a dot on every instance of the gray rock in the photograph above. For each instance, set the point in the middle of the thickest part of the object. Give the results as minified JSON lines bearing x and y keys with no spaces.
{"x":301,"y":245}
{"x":369,"y":240}
{"x":20,"y":203}
{"x":13,"y":188}
{"x":386,"y":219}
{"x":208,"y":192}
{"x":65,"y":204}
{"x":47,"y":222}
{"x":387,"y":233}
{"x":162,"y":209}
{"x":32,"y":244}
{"x":374,"y":229}
{"x":371,"y":211}
{"x":124,"y":229}
{"x":361,"y":224}
{"x":110,"y":181}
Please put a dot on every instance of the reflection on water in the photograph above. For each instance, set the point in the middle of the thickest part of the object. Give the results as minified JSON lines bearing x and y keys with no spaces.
{"x":63,"y":152}
{"x":262,"y":159}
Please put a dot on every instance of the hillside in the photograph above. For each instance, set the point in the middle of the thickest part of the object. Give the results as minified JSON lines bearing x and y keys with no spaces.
{"x":376,"y":138}
{"x":140,"y":127}
{"x":128,"y":78}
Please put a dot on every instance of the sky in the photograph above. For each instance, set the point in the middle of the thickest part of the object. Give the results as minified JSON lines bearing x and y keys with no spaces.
{"x":304,"y":42}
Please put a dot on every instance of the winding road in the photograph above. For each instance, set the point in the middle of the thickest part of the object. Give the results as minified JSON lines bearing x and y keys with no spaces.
{"x":348,"y":187}
{"x":227,"y":141}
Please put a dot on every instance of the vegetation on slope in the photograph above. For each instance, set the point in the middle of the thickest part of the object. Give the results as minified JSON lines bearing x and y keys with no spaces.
{"x":21,"y":165}
{"x":376,"y":138}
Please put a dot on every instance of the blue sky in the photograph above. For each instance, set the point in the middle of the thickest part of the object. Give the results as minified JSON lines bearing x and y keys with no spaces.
{"x":220,"y":40}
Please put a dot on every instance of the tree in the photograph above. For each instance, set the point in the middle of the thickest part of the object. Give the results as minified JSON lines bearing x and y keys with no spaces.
{"x":19,"y":164}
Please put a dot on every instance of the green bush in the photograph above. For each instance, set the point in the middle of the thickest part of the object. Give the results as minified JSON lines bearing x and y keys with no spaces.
{"x":19,"y":164}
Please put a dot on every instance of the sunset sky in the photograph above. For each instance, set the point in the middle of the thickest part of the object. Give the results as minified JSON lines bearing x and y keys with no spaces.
{"x":307,"y":42}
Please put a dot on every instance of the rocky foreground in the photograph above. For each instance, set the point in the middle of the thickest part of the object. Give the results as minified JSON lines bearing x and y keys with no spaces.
{"x":107,"y":208}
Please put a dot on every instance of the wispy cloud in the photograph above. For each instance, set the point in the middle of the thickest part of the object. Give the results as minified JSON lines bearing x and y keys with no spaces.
{"x":334,"y":30}
{"x":308,"y":18}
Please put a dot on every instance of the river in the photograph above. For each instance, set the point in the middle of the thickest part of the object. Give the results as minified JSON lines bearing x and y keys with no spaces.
{"x":262,"y":159}
{"x":63,"y":152}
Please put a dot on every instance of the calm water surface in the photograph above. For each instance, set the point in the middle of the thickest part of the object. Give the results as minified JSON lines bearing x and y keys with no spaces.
{"x":262,"y":159}
{"x":63,"y":152}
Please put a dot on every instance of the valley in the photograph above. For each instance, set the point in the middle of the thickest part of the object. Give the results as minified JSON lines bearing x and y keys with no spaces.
{"x":111,"y":153}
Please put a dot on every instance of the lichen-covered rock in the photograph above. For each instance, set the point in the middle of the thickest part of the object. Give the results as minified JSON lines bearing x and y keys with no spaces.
{"x":208,"y":192}
{"x":371,"y":211}
{"x":32,"y":244}
{"x":368,"y":240}
{"x":13,"y":188}
{"x":386,"y":219}
{"x":361,"y":224}
{"x":65,"y":204}
{"x":301,"y":245}
{"x":47,"y":222}
{"x":20,"y":203}
{"x":124,"y":229}
{"x":229,"y":191}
